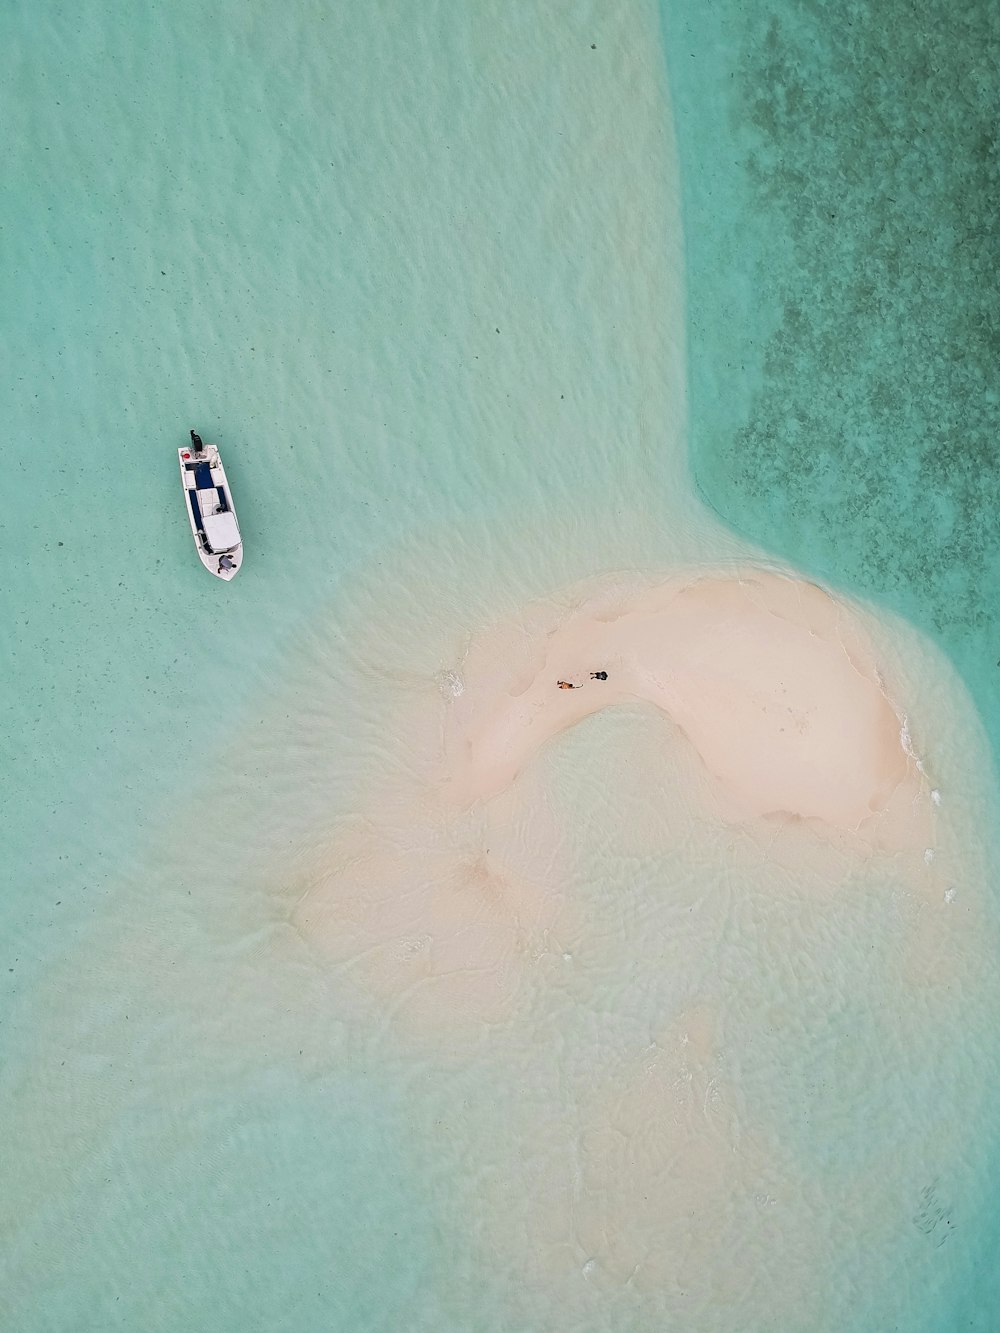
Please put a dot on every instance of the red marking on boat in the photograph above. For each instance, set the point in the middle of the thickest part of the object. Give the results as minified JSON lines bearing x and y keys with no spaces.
{"x":185,"y":455}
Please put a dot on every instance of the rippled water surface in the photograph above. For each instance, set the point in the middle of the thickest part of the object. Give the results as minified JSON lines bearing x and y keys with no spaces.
{"x":420,"y":272}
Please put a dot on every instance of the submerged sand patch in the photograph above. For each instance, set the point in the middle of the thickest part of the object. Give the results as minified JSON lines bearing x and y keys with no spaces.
{"x":446,"y":892}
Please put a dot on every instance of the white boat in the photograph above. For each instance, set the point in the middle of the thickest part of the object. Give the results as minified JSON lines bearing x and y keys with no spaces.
{"x":209,"y":504}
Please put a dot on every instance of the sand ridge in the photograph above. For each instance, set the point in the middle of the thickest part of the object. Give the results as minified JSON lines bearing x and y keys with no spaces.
{"x":768,"y":677}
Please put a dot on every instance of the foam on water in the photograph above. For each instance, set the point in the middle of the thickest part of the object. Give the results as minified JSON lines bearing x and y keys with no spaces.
{"x":418,"y":272}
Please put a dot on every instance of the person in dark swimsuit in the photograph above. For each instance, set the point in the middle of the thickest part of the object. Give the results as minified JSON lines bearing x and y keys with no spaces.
{"x":598,"y":675}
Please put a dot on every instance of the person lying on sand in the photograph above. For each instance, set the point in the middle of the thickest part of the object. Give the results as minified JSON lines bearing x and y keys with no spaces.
{"x":598,"y":675}
{"x":565,"y":685}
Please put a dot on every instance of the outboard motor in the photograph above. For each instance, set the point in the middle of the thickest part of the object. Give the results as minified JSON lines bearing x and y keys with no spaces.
{"x":199,"y":448}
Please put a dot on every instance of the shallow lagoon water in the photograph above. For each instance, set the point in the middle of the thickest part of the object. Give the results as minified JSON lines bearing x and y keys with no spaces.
{"x":420,"y":276}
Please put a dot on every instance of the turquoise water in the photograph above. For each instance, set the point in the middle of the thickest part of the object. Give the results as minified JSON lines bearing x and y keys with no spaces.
{"x":420,"y":273}
{"x":839,"y":168}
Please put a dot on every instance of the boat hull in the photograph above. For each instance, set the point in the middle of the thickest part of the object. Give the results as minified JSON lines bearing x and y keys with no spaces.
{"x":211,"y":515}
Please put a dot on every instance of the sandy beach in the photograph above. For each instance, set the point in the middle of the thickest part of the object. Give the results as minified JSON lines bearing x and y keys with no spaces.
{"x":768,"y":678}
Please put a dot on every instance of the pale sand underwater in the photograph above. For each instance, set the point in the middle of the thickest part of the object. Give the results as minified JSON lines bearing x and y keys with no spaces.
{"x":649,"y":931}
{"x":641,"y":1039}
{"x":426,"y":995}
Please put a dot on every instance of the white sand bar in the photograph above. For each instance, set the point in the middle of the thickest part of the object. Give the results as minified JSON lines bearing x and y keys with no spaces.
{"x":452,"y":883}
{"x":768,"y":677}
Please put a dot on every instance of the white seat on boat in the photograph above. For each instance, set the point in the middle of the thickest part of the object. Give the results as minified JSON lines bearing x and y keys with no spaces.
{"x":221,"y":531}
